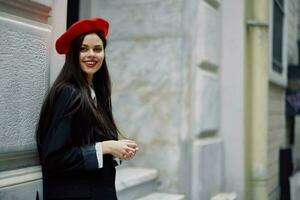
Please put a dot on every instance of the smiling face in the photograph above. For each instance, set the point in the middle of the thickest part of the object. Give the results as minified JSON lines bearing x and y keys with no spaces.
{"x":91,"y":55}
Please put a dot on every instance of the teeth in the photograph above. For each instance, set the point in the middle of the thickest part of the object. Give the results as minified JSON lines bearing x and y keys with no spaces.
{"x":90,"y":62}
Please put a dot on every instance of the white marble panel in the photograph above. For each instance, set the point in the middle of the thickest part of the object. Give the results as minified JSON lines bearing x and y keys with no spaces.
{"x":147,"y":99}
{"x":150,"y":63}
{"x":135,"y":18}
{"x":146,"y":84}
{"x":24,"y":72}
{"x":207,"y":168}
{"x":206,"y":103}
{"x":208,"y":43}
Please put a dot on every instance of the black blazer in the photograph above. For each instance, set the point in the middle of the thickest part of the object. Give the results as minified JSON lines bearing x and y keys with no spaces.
{"x":68,"y":156}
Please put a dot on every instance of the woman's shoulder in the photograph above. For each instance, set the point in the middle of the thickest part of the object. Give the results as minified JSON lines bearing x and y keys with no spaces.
{"x":66,"y":93}
{"x":67,"y":90}
{"x":66,"y":97}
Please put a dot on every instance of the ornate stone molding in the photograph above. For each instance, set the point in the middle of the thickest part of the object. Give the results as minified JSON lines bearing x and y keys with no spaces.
{"x":19,"y":176}
{"x":12,"y":160}
{"x":27,"y":9}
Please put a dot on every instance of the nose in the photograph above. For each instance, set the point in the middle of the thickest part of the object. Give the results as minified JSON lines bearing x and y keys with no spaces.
{"x":91,"y":52}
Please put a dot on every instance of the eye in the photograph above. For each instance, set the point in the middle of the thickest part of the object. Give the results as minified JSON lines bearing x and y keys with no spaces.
{"x":84,"y":49}
{"x":98,"y":49}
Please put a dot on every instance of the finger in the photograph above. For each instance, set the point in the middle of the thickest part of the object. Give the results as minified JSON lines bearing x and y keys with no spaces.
{"x":128,"y":149}
{"x":130,"y":153}
{"x":137,"y":148}
{"x":128,"y":141}
{"x":128,"y":157}
{"x":132,"y":145}
{"x":124,"y":157}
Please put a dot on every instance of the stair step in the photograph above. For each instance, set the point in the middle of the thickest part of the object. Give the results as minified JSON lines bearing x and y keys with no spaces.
{"x":162,"y":196}
{"x":132,"y":183}
{"x":225,"y":196}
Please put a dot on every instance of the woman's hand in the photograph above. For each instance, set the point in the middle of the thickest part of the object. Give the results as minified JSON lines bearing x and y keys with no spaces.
{"x":122,"y":149}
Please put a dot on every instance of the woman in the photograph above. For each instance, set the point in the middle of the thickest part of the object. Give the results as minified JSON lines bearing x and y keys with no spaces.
{"x":77,"y":137}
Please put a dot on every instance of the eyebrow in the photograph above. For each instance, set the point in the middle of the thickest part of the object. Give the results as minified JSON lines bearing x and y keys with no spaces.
{"x":98,"y":45}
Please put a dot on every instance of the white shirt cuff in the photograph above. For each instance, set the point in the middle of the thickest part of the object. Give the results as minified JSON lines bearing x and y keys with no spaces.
{"x":99,"y":154}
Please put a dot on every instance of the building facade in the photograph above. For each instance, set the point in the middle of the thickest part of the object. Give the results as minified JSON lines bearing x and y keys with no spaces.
{"x":193,"y":83}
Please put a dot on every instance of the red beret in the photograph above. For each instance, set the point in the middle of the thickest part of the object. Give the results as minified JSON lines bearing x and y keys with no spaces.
{"x":63,"y":43}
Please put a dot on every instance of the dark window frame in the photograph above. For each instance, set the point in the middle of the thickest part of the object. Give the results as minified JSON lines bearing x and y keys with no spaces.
{"x":278,"y":35}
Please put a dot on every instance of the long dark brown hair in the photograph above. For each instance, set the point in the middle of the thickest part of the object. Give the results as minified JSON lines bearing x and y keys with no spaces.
{"x":71,"y":74}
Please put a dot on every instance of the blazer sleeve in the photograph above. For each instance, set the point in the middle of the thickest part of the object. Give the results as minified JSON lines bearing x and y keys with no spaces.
{"x":58,"y":153}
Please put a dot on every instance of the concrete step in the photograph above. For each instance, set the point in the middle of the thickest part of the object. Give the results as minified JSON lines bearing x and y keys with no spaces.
{"x":162,"y":196}
{"x":132,"y":183}
{"x":225,"y":196}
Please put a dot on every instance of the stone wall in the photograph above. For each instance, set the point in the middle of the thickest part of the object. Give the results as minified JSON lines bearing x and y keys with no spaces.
{"x":26,"y":31}
{"x":24,"y":61}
{"x":207,"y":165}
{"x":24,"y":81}
{"x":232,"y":96}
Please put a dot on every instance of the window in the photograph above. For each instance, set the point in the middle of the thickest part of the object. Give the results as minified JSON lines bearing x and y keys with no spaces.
{"x":278,"y":17}
{"x":278,"y":52}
